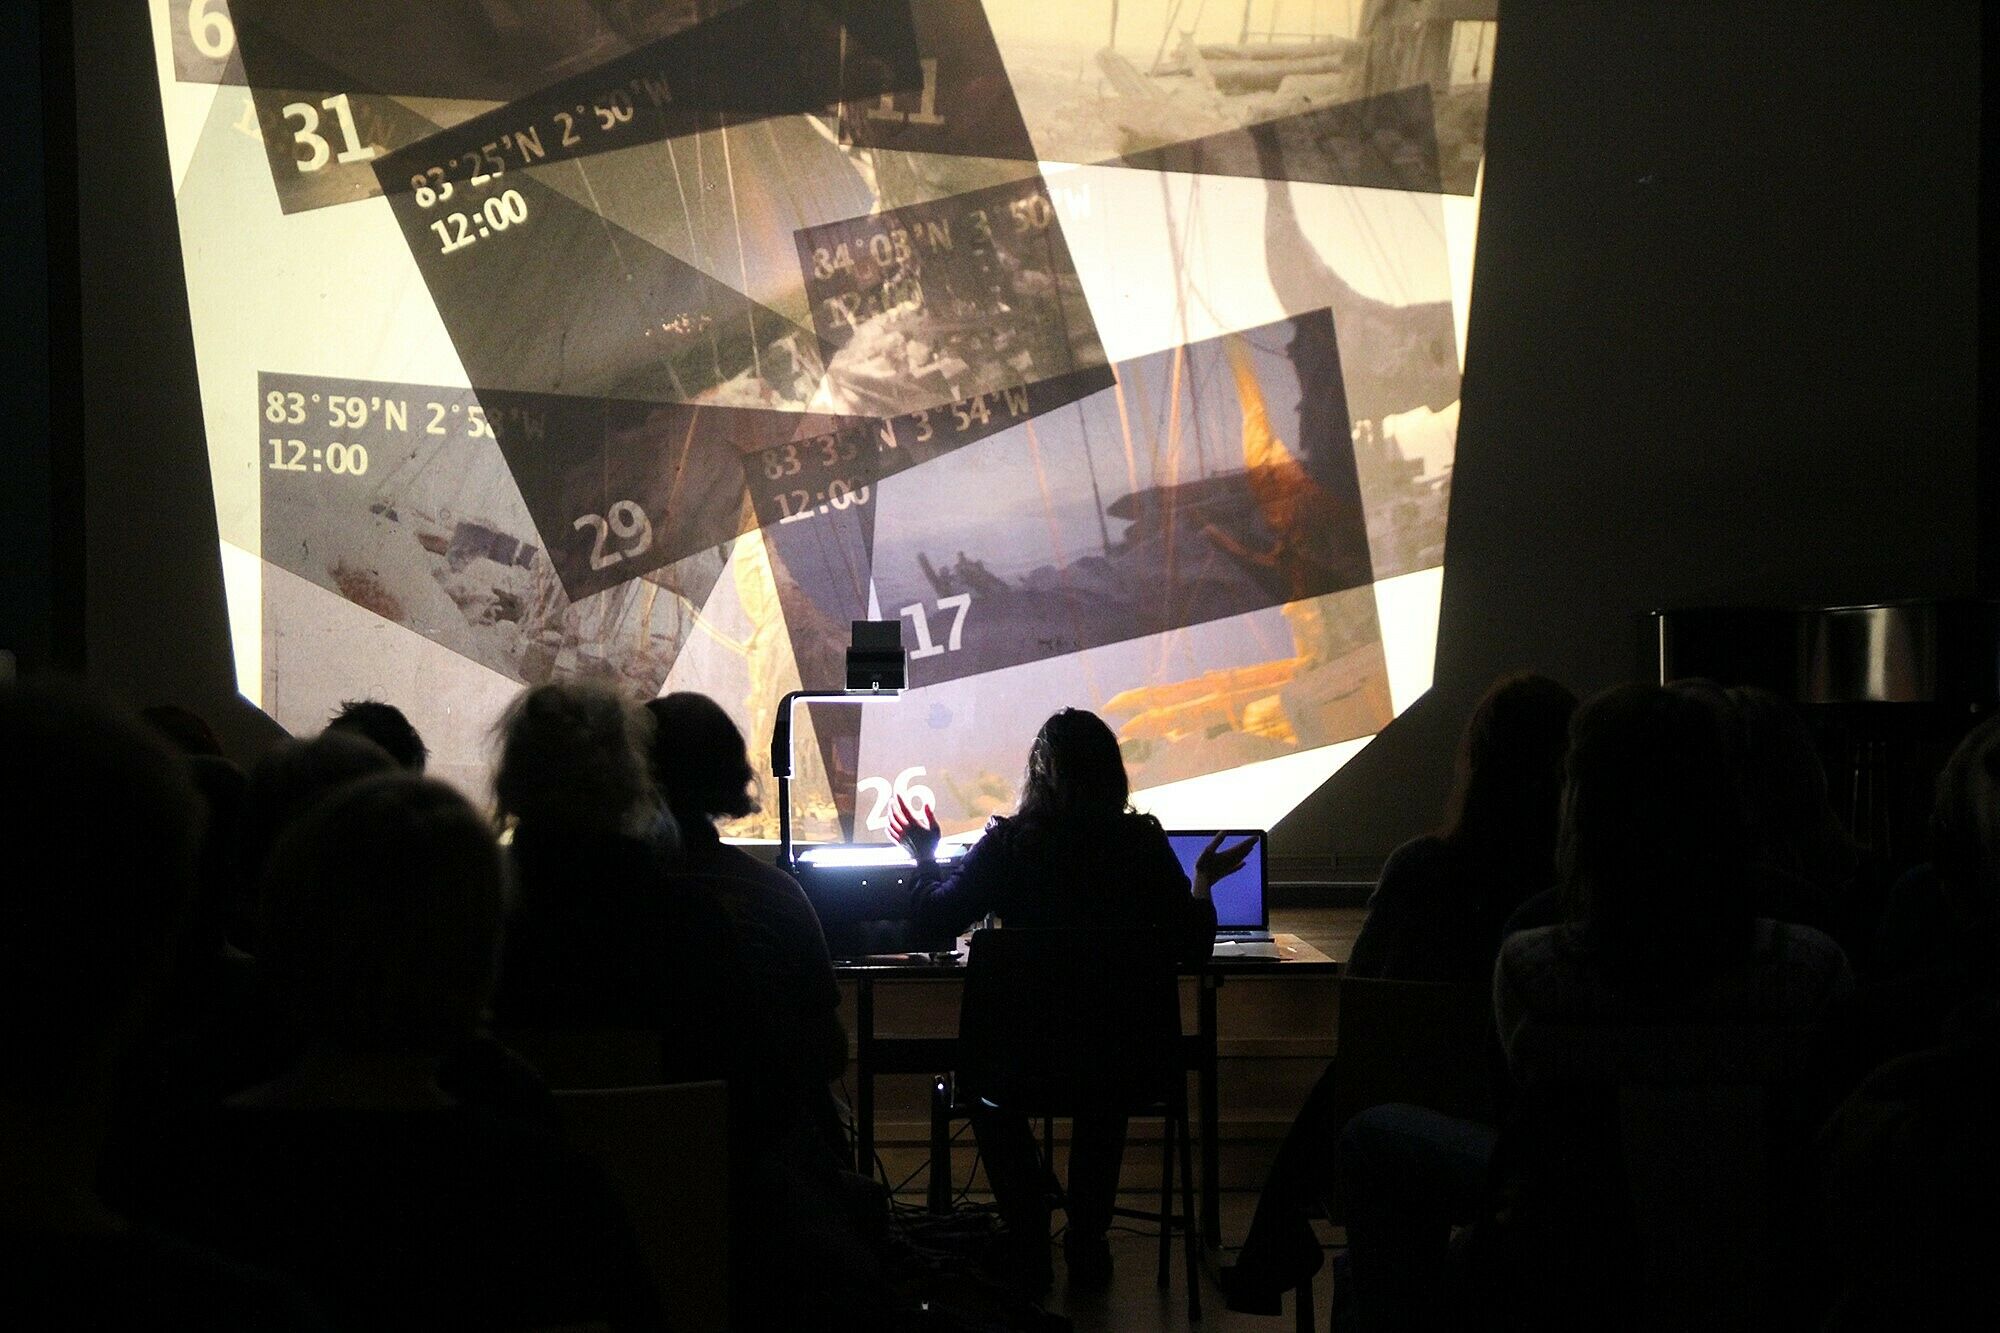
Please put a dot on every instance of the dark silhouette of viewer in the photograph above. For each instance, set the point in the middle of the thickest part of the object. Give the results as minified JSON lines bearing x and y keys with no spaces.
{"x":1794,"y":829}
{"x":210,"y":973}
{"x":353,"y":1170}
{"x":602,"y":935}
{"x":702,"y":771}
{"x":100,"y":835}
{"x":1074,"y":854}
{"x":1800,"y":865}
{"x":222,"y":1031}
{"x":217,"y":1034}
{"x":1436,"y":915}
{"x":1934,"y":946}
{"x":285,"y":785}
{"x":386,"y":725}
{"x":611,"y":934}
{"x":1909,"y":1160}
{"x":1664,"y":974}
{"x":187,"y":730}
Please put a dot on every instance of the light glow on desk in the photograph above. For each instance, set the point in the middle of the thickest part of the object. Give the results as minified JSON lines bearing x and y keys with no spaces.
{"x":872,"y":854}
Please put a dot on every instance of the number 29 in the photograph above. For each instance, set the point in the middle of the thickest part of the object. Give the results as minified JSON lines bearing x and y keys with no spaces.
{"x":626,"y":521}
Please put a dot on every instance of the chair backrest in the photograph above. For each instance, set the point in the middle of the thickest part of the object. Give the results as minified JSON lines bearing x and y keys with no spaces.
{"x":1699,"y":1180}
{"x":1422,"y":1042}
{"x":1057,"y":1022}
{"x":1699,"y":1106}
{"x":665,"y":1148}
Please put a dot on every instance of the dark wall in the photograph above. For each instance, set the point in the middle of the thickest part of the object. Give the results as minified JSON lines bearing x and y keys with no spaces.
{"x":27,"y":497}
{"x":1723,"y":349}
{"x":154,"y":620}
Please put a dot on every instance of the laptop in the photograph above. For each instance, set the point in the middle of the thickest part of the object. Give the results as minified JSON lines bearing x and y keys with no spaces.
{"x":1241,"y":913}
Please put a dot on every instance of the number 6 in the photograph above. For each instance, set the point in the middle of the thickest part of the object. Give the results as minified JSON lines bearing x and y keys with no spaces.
{"x":917,"y":796}
{"x":210,"y":29}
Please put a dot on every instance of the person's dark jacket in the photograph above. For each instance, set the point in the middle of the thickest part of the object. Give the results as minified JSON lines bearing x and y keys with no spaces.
{"x":783,"y":950}
{"x":418,"y":1219}
{"x":1063,"y":873}
{"x":1435,"y":915}
{"x":603,"y":934}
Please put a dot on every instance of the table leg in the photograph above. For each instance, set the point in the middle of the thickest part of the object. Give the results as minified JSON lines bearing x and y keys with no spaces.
{"x":1211,"y":1127}
{"x":864,"y":1076}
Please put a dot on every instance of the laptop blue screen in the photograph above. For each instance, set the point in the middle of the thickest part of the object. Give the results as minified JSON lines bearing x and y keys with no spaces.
{"x":1239,"y":896}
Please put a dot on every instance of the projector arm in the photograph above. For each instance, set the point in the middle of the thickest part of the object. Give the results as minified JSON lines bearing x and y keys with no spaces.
{"x":781,"y":752}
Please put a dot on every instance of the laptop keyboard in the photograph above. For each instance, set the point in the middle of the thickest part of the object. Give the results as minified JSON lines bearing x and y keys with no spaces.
{"x":1244,"y":936}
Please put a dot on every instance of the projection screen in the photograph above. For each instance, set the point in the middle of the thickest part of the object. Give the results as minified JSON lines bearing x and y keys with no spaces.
{"x":1112,"y":347}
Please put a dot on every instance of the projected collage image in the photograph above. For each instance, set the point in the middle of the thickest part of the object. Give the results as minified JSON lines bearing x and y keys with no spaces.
{"x":624,"y":342}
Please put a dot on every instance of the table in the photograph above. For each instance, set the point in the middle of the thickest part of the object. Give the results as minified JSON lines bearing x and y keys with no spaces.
{"x":876,"y":1054}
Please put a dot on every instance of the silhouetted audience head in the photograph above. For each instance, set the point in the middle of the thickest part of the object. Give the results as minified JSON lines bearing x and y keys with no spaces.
{"x":1075,"y":769}
{"x":382,"y":918}
{"x":1653,"y":842}
{"x":571,"y":757}
{"x":224,"y":788}
{"x":387,"y":727}
{"x":291,"y":780}
{"x":699,"y":761}
{"x":100,"y":835}
{"x":1510,"y":773}
{"x":186,"y":729}
{"x":1793,"y":826}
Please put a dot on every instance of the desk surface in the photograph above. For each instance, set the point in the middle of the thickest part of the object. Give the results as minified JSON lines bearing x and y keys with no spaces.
{"x":1295,"y":958}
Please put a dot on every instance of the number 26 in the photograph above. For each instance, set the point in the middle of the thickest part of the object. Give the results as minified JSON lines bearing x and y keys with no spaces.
{"x":916,"y":793}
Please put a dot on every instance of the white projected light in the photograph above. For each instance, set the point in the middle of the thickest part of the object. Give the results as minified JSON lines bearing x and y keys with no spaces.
{"x":1112,"y":349}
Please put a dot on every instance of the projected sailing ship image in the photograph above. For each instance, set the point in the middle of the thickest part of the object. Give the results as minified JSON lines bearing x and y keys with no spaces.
{"x":1199,"y":69}
{"x":1230,"y":486}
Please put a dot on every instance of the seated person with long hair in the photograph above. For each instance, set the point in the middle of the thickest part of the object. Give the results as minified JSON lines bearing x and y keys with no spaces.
{"x":600,"y":935}
{"x":1074,"y":855}
{"x":1663,"y":976}
{"x":1909,"y":1159}
{"x":1436,"y":916}
{"x":703,"y":773}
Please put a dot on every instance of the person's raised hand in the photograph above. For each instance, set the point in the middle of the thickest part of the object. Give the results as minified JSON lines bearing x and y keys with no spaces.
{"x":919,"y":838}
{"x":1219,"y":862}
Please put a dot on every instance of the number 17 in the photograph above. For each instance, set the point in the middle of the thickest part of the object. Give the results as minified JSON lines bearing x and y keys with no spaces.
{"x":960,"y":602}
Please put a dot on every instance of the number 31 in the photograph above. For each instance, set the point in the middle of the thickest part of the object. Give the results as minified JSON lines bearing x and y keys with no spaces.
{"x":317,"y":149}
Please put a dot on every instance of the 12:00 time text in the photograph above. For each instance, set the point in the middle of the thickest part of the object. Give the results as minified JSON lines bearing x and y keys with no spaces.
{"x":347,"y":460}
{"x":455,"y":231}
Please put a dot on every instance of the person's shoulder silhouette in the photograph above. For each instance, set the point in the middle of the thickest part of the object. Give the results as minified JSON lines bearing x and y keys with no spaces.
{"x":101,"y":840}
{"x":354,"y":1169}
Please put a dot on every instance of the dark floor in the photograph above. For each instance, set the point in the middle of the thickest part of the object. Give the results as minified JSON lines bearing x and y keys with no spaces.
{"x":1133,"y":1303}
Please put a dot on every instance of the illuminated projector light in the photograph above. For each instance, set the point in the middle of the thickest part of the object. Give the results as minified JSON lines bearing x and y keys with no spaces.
{"x":890,"y":854}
